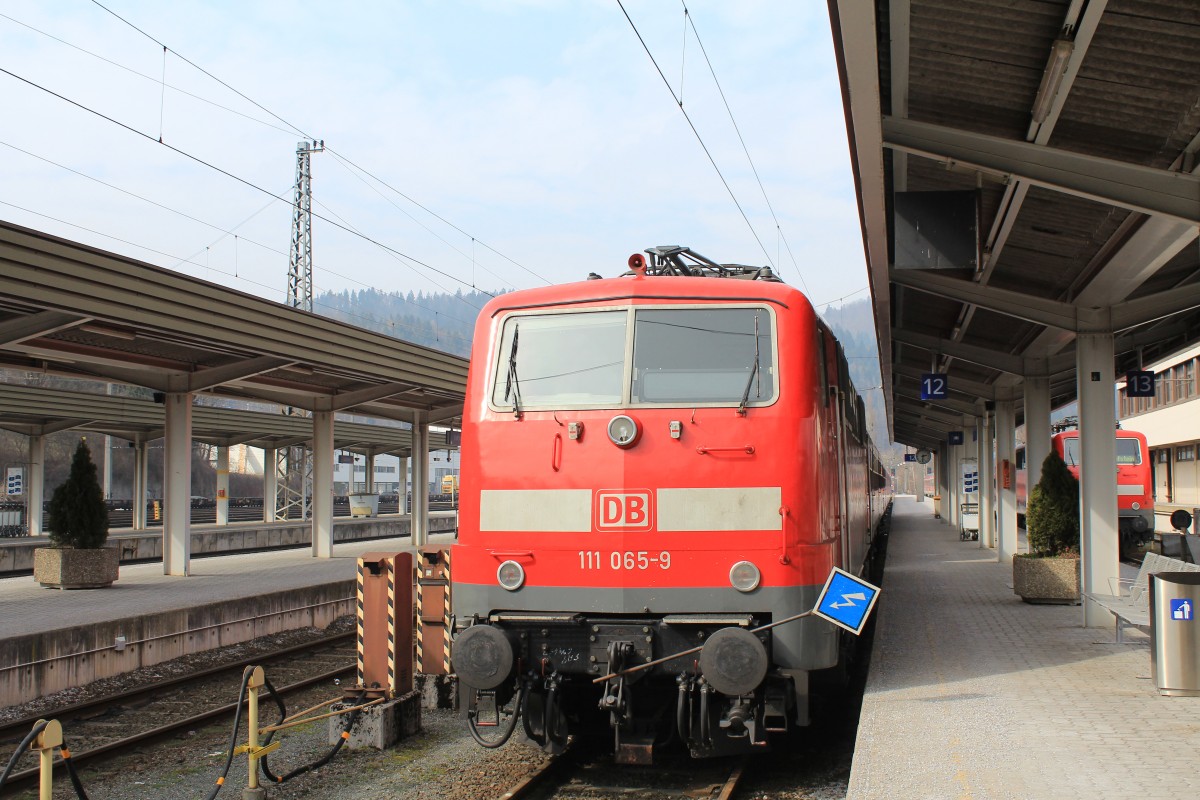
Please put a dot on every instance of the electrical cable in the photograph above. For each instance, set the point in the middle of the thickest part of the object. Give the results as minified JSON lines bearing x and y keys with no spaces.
{"x":510,"y":727}
{"x":298,"y":130}
{"x":699,"y":138}
{"x":266,"y":769}
{"x":22,"y":748}
{"x":691,"y":20}
{"x":237,"y":723}
{"x":229,"y":174}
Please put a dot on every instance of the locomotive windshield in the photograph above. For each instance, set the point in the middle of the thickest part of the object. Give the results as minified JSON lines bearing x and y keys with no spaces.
{"x":1129,"y":451}
{"x":679,"y":356}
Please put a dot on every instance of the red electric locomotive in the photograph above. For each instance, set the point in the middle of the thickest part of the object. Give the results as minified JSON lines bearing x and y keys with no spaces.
{"x":668,"y":459}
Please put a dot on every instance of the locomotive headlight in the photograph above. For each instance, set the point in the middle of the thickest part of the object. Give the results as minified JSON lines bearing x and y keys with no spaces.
{"x":1136,"y":506}
{"x":744,"y":576}
{"x":511,"y":575}
{"x":624,"y":431}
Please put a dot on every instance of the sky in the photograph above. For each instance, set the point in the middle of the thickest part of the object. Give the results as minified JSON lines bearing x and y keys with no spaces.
{"x":498,"y":145}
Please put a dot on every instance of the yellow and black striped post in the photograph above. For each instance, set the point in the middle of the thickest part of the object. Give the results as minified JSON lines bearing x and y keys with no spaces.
{"x":433,"y":611}
{"x":385,"y":666}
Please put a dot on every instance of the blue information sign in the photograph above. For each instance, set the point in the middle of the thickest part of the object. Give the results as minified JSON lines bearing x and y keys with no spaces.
{"x":910,"y":456}
{"x":846,"y":601}
{"x":956,"y":437}
{"x":1139,"y":383}
{"x":934,"y":386}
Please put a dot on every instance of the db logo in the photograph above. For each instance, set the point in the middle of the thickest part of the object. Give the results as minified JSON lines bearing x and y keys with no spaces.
{"x":624,"y":511}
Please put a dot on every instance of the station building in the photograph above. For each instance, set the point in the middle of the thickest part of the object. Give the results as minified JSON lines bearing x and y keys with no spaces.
{"x":1171,"y":422}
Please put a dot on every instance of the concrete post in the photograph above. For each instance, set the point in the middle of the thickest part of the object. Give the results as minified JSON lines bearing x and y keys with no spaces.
{"x":35,"y":490}
{"x":177,"y":485}
{"x":370,"y":462}
{"x":1099,"y":542}
{"x":420,"y":491}
{"x":271,"y":484}
{"x":1037,"y":429}
{"x":950,"y":500}
{"x":222,"y":485}
{"x":141,"y":463}
{"x":322,"y":484}
{"x":1006,"y":499}
{"x":987,"y":490}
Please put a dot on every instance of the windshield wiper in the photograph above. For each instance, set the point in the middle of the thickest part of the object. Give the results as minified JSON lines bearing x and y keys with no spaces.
{"x":753,"y":372}
{"x":513,"y":384}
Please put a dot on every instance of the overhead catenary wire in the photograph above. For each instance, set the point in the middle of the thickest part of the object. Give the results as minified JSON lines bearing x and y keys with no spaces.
{"x":234,"y":176}
{"x":690,"y":20}
{"x":699,"y":138}
{"x":225,"y":233}
{"x":306,"y":135}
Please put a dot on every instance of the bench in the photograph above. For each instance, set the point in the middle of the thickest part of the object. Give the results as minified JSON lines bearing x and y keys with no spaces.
{"x":1130,"y":600}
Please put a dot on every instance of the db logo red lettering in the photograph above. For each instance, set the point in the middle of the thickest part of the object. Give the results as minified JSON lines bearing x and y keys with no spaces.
{"x":624,"y":511}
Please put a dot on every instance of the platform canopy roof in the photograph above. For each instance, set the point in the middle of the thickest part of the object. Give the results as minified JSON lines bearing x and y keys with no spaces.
{"x":1077,"y":123}
{"x":72,"y":310}
{"x":32,"y":410}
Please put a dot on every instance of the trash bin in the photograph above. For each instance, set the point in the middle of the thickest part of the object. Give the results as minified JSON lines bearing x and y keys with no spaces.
{"x":1175,"y":632}
{"x":937,"y":506}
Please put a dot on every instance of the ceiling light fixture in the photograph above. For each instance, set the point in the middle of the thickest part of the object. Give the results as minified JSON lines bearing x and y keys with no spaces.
{"x":1056,"y":68}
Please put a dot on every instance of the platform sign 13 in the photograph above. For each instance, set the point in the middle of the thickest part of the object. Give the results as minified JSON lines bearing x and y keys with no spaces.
{"x":1139,"y":383}
{"x":934,"y":386}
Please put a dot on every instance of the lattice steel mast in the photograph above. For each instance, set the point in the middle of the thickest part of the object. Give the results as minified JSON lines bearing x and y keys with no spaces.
{"x":300,"y":284}
{"x":293,"y":465}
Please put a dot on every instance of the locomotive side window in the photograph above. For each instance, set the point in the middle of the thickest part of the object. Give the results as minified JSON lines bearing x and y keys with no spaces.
{"x":561,"y":360}
{"x":703,"y":355}
{"x":1129,"y":451}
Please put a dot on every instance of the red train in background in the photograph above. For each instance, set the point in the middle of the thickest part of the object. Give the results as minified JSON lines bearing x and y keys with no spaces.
{"x":667,"y":459}
{"x":1135,"y":484}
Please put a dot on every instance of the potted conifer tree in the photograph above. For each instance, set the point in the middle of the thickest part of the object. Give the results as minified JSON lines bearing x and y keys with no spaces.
{"x":1049,"y":572}
{"x":77,"y":557}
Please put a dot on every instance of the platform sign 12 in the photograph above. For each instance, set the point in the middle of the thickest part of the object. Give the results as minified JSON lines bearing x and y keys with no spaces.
{"x":1139,"y":383}
{"x":934,"y":386}
{"x":846,"y":601}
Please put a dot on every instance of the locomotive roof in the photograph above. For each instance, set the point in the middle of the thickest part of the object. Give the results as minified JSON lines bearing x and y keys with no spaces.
{"x":651,"y":287}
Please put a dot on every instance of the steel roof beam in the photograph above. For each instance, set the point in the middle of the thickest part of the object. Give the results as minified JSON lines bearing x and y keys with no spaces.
{"x":17,"y":330}
{"x":1153,"y":307}
{"x":1040,"y":310}
{"x":240,"y":370}
{"x":1133,"y":186}
{"x":992,"y":359}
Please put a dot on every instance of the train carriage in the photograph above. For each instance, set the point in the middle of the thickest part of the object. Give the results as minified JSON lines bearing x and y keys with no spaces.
{"x":650,"y":463}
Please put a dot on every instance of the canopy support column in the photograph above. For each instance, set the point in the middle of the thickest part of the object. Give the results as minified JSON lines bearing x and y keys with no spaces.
{"x":1099,"y":540}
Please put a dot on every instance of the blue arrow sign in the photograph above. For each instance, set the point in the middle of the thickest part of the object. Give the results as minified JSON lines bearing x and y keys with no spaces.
{"x":846,"y":601}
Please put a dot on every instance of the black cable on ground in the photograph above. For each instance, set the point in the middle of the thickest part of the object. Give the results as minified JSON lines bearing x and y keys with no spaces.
{"x":237,"y":723}
{"x":272,"y":777}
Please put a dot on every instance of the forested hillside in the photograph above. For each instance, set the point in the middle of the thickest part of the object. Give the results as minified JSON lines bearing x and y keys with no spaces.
{"x":854,"y":326}
{"x":441,"y":321}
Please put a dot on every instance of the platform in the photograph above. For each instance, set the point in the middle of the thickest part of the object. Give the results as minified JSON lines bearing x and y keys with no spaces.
{"x":974,"y":694}
{"x":50,"y":638}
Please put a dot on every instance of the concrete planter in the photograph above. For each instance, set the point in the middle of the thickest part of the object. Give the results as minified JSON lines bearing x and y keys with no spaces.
{"x":1047,"y":580}
{"x":69,"y":568}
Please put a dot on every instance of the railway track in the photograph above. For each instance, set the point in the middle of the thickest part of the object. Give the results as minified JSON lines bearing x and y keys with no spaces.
{"x":120,"y":722}
{"x":576,"y":775}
